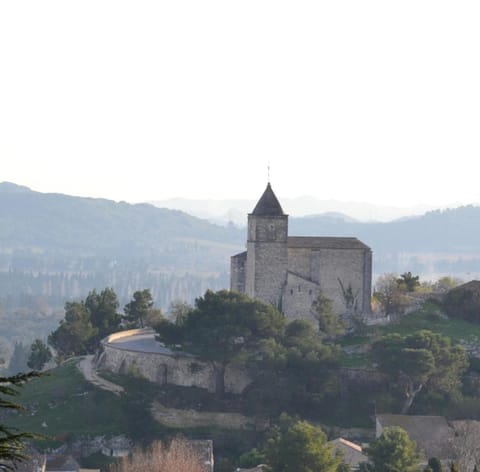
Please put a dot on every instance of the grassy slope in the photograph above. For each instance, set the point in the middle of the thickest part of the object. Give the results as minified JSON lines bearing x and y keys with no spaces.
{"x":68,"y":405}
{"x":426,"y":318}
{"x":71,"y":406}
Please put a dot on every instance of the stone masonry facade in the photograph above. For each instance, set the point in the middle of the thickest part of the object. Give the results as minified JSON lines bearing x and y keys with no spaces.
{"x":290,"y":272}
{"x":177,"y":368}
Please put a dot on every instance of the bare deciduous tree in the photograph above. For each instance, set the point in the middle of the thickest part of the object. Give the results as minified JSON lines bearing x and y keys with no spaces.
{"x":465,"y":444}
{"x":178,"y":456}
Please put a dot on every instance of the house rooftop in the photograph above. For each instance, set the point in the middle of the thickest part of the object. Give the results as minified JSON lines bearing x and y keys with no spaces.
{"x":433,"y":434}
{"x":351,"y":453}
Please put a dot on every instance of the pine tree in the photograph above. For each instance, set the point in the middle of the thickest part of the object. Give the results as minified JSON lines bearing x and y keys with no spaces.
{"x":12,"y":442}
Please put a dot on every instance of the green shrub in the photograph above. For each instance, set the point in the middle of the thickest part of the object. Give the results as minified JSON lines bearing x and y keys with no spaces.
{"x":464,"y":301}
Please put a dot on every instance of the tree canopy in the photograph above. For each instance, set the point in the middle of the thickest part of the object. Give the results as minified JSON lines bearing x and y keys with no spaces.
{"x":224,"y":327}
{"x":393,"y":451}
{"x":12,"y":441}
{"x":329,"y":323}
{"x":419,"y":360}
{"x":391,"y":294}
{"x":288,"y":362}
{"x":85,"y":323}
{"x":76,"y":333}
{"x":39,"y":355}
{"x":408,"y":281}
{"x":301,"y":448}
{"x":136,"y":311}
{"x":464,"y":302}
{"x":103,"y":308}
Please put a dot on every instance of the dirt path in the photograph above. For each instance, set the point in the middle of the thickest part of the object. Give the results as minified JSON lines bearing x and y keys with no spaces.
{"x":89,"y":372}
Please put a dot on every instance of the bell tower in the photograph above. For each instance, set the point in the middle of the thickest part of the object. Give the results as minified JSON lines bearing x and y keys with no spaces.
{"x":267,"y":250}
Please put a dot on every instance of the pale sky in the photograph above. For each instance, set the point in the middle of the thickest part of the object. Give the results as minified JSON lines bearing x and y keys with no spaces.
{"x":375,"y":101}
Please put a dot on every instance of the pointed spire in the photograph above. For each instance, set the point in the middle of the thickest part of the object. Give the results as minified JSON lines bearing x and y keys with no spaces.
{"x":268,"y":205}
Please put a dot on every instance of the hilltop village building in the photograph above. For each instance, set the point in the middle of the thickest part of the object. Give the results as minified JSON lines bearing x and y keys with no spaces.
{"x":290,"y":272}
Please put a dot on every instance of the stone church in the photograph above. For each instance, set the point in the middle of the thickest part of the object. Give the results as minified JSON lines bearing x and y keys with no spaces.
{"x":290,"y":272}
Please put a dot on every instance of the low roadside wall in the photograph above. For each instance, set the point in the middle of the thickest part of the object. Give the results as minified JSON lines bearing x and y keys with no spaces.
{"x":180,"y":369}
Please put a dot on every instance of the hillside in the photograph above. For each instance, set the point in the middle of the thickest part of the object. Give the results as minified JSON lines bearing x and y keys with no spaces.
{"x":60,"y":233}
{"x":223,"y":210}
{"x":45,"y":222}
{"x":57,"y":247}
{"x":441,"y":242}
{"x":65,"y":407}
{"x":108,"y":243}
{"x":448,"y":230}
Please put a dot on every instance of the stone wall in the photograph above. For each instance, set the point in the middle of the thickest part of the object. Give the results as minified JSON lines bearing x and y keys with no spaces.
{"x":267,"y":257}
{"x":237,"y":272}
{"x":178,"y":369}
{"x":335,"y":265}
{"x":298,"y":296}
{"x":324,"y":264}
{"x":324,"y":268}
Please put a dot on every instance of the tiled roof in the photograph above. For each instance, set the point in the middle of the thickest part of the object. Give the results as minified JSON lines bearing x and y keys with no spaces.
{"x":351,"y":452}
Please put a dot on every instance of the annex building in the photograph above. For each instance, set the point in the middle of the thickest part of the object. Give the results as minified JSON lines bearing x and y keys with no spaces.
{"x":290,"y":272}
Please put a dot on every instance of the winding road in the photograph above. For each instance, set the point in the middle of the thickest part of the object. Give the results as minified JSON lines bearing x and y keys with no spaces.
{"x":88,"y":370}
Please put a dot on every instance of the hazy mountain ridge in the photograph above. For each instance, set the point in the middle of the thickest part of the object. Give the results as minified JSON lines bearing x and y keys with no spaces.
{"x":231,"y":210}
{"x":56,"y":247}
{"x":447,"y":230}
{"x":102,"y":242}
{"x":62,"y":221}
{"x":440,"y":242}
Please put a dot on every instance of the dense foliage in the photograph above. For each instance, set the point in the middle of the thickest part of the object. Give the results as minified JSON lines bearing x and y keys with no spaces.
{"x":393,"y":451}
{"x":392,"y":294}
{"x":40,"y":354}
{"x":76,"y":334}
{"x":90,"y":320}
{"x":464,"y":302}
{"x":420,"y":360}
{"x":294,"y":446}
{"x":12,"y":442}
{"x":224,"y":327}
{"x":301,"y":448}
{"x":290,"y":364}
{"x":102,"y":308}
{"x":329,"y":322}
{"x":137,"y":310}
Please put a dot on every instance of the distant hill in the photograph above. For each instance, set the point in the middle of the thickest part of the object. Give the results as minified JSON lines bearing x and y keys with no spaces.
{"x":62,"y":246}
{"x":441,"y":242}
{"x":453,"y":230}
{"x":55,"y":248}
{"x":59,"y":222}
{"x":224,"y":211}
{"x":68,"y":245}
